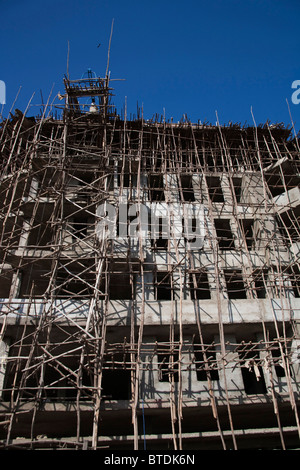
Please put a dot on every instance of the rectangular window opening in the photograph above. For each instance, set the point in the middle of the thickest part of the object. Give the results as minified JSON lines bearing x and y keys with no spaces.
{"x":163,"y":286}
{"x":121,"y":285}
{"x":116,"y":378}
{"x":210,"y":365}
{"x":260,"y":278}
{"x":156,"y":188}
{"x":214,"y":188}
{"x":235,"y":284}
{"x":186,"y":188}
{"x":224,"y":234}
{"x":199,"y":285}
{"x":252,"y":372}
{"x":280,"y":180}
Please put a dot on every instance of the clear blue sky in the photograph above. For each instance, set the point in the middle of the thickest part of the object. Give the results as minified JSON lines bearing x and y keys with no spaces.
{"x":191,"y":57}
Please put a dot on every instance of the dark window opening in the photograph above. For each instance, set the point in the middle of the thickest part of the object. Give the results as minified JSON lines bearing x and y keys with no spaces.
{"x":55,"y":384}
{"x":5,"y":285}
{"x":288,"y":224}
{"x":214,"y":188}
{"x":277,"y":358}
{"x":116,"y":376}
{"x":125,"y":177}
{"x":224,"y":234}
{"x":163,"y":286}
{"x":76,"y":280}
{"x":70,"y":286}
{"x":186,"y":188}
{"x":190,"y":229}
{"x":121,"y":286}
{"x":159,"y":243}
{"x":282,"y":179}
{"x":110,"y":182}
{"x":116,"y":385}
{"x":40,"y":234}
{"x":34,"y":282}
{"x":162,"y":236}
{"x":199,"y":286}
{"x":247,"y":229}
{"x":252,"y":372}
{"x":294,"y":277}
{"x":235,"y":284}
{"x":210,"y":365}
{"x":156,"y":188}
{"x":79,"y":225}
{"x":260,"y":278}
{"x":167,"y":366}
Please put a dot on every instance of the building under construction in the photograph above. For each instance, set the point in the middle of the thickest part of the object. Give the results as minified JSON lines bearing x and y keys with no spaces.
{"x":150,"y":283}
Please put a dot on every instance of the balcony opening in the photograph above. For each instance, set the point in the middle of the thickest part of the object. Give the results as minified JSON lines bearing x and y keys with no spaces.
{"x":199,"y":285}
{"x":214,"y":188}
{"x":224,"y":234}
{"x":235,"y":284}
{"x":186,"y":188}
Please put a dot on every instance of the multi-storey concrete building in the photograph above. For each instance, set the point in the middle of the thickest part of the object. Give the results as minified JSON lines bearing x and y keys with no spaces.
{"x":149,"y":281}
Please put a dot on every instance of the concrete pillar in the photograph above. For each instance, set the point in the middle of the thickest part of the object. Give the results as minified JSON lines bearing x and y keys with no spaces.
{"x":4,"y":348}
{"x":33,"y":188}
{"x":147,"y":382}
{"x":234,"y":380}
{"x":24,"y":234}
{"x":15,"y":285}
{"x":172,"y":186}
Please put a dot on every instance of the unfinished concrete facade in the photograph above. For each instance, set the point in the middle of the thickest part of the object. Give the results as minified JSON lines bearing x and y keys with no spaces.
{"x":122,"y":339}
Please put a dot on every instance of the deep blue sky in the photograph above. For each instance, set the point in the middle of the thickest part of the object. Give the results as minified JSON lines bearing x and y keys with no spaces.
{"x":191,"y":57}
